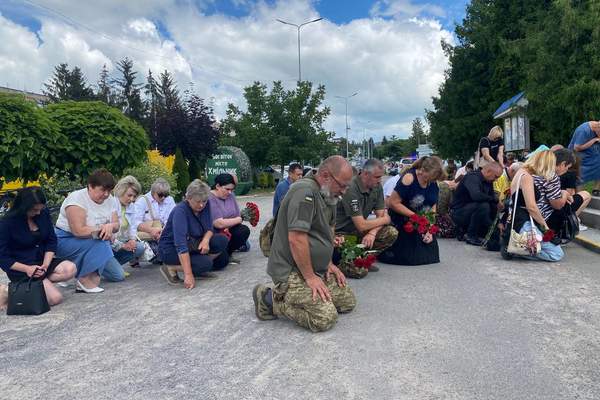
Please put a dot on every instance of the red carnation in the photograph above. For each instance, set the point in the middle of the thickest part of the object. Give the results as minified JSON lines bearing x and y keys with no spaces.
{"x":548,"y":235}
{"x":422,"y":229}
{"x":408,"y":227}
{"x":434,"y":229}
{"x":423,"y":221}
{"x":414,"y":218}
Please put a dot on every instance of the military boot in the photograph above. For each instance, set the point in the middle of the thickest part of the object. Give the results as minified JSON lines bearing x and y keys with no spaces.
{"x":262,"y":309}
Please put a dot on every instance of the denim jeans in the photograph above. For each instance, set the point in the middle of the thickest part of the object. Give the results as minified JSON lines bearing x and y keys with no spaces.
{"x":113,"y":270}
{"x":549,"y":251}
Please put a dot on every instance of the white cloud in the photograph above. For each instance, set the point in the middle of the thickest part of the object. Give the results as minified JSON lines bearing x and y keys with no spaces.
{"x":395,"y":64}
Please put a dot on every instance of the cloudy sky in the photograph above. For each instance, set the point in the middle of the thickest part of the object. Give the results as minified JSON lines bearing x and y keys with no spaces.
{"x":386,"y":50}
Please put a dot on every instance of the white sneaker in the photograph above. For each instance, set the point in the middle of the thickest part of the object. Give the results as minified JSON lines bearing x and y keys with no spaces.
{"x":582,"y":227}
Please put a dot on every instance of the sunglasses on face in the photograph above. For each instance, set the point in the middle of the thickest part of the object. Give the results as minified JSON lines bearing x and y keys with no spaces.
{"x":162,"y":195}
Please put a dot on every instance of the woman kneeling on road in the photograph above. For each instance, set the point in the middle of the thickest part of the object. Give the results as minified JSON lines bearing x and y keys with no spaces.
{"x":188,"y":242}
{"x":85,"y":228}
{"x":28,"y":244}
{"x":226,"y":212}
{"x":125,"y":246}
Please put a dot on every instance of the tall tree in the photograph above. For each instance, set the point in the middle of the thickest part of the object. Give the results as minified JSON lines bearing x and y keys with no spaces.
{"x":281,"y":125}
{"x":418,"y":135}
{"x":486,"y":68}
{"x":68,"y":85}
{"x":130,"y":99}
{"x":153,"y":102}
{"x":105,"y":90}
{"x":58,"y":87}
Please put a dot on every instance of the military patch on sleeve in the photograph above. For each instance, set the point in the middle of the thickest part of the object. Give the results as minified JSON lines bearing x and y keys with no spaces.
{"x":354,"y":206}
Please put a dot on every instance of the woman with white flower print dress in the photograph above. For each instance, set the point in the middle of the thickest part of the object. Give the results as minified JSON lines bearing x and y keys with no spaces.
{"x":413,"y":198}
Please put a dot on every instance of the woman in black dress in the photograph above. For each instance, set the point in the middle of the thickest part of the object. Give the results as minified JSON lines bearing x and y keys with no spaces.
{"x":416,"y":192}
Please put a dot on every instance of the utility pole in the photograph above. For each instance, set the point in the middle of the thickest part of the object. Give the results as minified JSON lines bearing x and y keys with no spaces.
{"x":298,"y":28}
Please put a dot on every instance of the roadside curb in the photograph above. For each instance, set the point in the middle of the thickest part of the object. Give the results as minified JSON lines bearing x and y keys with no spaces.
{"x":588,"y":243}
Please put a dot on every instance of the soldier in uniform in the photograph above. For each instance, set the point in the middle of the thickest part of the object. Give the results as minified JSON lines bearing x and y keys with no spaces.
{"x":365,"y":195}
{"x":308,"y":288}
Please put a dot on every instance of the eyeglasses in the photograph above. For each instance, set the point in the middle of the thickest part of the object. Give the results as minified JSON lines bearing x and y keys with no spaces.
{"x":163,"y":195}
{"x":338,"y":182}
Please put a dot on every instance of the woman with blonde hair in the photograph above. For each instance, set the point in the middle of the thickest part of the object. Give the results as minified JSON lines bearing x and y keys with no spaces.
{"x":416,"y":192}
{"x":125,"y":246}
{"x":491,"y":147}
{"x":530,"y":188}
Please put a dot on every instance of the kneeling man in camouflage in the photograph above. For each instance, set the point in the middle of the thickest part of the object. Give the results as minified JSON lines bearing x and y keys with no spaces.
{"x":363,"y":197}
{"x":307,"y":287}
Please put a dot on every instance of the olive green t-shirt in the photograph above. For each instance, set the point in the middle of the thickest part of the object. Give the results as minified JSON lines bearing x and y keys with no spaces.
{"x":357,"y":200}
{"x":303,"y":210}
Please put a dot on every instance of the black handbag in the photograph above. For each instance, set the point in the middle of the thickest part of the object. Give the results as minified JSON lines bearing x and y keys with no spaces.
{"x":27,"y":297}
{"x":570,"y":226}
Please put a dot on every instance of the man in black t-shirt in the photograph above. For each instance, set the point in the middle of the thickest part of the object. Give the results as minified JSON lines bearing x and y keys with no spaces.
{"x":491,"y":147}
{"x":475,"y":204}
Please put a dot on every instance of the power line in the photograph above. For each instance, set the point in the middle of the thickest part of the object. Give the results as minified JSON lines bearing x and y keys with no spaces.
{"x":119,"y":42}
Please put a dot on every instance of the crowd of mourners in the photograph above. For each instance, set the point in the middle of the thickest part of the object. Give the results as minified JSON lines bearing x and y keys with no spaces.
{"x":109,"y":224}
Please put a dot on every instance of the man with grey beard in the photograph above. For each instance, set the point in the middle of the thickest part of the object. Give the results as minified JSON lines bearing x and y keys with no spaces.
{"x":307,"y":287}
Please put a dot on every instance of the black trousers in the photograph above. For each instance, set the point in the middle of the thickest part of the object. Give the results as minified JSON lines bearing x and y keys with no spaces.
{"x":474,"y":218}
{"x":239,"y":235}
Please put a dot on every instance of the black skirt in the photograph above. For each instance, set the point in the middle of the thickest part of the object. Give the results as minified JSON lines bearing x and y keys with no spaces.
{"x":16,"y":276}
{"x":409,"y":249}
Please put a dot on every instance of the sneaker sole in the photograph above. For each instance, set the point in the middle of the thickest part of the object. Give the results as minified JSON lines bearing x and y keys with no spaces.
{"x":168,"y":278}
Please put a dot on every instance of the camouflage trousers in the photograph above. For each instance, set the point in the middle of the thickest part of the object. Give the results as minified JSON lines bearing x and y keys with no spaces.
{"x":293,"y":300}
{"x":384,"y":238}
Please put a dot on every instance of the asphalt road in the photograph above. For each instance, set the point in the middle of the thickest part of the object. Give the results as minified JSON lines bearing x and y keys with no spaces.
{"x":472,"y":327}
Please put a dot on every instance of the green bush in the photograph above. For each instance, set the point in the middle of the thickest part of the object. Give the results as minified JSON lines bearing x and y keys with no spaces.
{"x":30,"y":142}
{"x":263,"y":180}
{"x":97,"y":136}
{"x":146,"y":173}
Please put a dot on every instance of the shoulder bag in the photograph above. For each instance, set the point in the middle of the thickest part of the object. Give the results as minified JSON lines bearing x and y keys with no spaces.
{"x":522,"y":244}
{"x":155,"y":223}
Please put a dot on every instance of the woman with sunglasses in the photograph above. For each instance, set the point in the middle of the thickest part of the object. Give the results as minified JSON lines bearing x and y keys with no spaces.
{"x":226,"y":213}
{"x":28,"y":244}
{"x":152,"y":211}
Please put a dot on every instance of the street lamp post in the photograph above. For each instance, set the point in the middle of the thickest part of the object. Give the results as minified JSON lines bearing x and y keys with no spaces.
{"x":346,"y":98}
{"x":298,"y":27}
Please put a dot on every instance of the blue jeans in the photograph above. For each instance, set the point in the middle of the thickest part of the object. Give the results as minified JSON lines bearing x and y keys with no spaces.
{"x":113,"y":270}
{"x":549,"y":251}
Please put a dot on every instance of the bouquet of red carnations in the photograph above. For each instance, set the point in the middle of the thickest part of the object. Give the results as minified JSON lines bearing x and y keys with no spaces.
{"x":356,"y":261}
{"x":251,"y":213}
{"x":422,"y":223}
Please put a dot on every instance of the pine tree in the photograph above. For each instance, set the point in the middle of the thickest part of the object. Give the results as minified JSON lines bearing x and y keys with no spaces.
{"x":153,"y":107}
{"x":105,"y":91}
{"x":130,"y":99}
{"x":78,"y":87}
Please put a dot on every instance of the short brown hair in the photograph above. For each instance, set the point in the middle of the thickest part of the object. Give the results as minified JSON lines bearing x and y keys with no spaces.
{"x":101,"y":177}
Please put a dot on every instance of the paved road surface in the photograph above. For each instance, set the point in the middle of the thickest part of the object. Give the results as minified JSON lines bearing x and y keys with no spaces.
{"x":472,"y":327}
